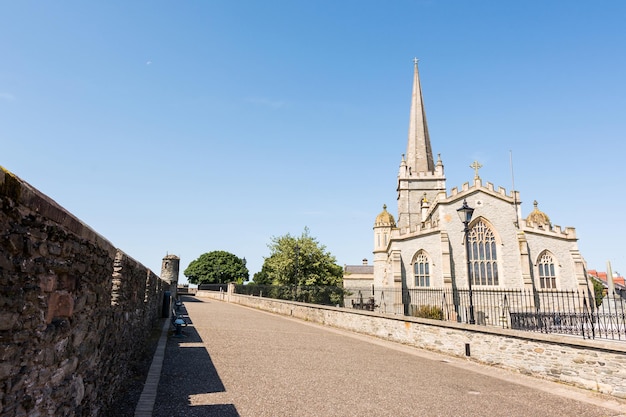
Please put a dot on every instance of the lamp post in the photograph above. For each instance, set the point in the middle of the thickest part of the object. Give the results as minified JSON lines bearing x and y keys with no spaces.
{"x":295,"y":284}
{"x":465,"y":214}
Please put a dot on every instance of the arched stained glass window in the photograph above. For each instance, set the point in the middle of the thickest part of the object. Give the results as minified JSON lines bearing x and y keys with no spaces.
{"x":421,"y":269}
{"x":547,"y":273}
{"x":482,"y":255}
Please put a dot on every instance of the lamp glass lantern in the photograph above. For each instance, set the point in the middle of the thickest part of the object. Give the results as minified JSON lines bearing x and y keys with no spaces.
{"x":465,"y":213}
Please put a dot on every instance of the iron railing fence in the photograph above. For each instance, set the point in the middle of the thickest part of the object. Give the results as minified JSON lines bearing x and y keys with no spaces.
{"x":563,"y":312}
{"x":324,"y":295}
{"x":213,"y":287}
{"x":361,"y":298}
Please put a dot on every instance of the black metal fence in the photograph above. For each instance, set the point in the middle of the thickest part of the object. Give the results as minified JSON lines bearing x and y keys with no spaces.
{"x":563,"y":312}
{"x":325,"y":295}
{"x":213,"y":287}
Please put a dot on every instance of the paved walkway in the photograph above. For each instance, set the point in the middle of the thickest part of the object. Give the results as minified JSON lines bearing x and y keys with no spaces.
{"x":236,"y":361}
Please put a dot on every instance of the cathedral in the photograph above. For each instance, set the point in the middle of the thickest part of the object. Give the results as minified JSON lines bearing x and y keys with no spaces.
{"x":426,"y":247}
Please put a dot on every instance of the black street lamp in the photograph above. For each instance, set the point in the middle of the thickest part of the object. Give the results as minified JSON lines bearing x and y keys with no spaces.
{"x":465,"y":214}
{"x":295,"y":278}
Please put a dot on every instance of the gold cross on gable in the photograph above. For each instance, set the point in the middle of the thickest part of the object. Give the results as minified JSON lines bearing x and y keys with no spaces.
{"x":476,"y":166}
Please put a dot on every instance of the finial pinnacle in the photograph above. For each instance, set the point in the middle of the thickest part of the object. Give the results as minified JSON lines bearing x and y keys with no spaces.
{"x":415,"y":60}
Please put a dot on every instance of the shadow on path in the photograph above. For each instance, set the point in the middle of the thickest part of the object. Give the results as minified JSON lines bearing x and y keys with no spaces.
{"x":188,"y":370}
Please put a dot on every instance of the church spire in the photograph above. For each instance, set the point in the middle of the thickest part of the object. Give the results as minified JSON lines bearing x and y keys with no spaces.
{"x":419,"y":153}
{"x":418,"y":173}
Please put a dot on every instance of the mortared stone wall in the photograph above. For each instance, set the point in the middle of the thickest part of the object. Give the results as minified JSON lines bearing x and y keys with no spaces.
{"x":73,"y":309}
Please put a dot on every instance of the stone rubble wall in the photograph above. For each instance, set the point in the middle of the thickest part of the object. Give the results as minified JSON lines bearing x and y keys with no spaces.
{"x":597,"y":365}
{"x":73,"y":309}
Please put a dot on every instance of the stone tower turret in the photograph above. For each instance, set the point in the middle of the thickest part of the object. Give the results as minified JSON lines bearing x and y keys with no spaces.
{"x":169,"y":272}
{"x":382,"y":235}
{"x":382,"y":230}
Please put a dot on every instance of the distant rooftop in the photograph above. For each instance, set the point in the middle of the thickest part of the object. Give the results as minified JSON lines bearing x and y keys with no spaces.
{"x":359,"y":269}
{"x":617,"y":279}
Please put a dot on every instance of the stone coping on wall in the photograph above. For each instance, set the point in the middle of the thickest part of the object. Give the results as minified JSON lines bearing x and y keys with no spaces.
{"x":20,"y":191}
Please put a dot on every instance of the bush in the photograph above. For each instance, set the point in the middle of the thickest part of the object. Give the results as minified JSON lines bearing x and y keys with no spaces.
{"x":428,"y":312}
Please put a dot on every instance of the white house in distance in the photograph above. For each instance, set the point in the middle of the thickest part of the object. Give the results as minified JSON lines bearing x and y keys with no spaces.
{"x":425,"y":247}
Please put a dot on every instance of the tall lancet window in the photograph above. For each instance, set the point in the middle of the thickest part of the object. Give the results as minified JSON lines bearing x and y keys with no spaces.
{"x":547,"y":273}
{"x":482,"y":255}
{"x":422,"y":270}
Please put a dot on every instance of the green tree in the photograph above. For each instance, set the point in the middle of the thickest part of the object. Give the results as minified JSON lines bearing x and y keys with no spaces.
{"x":598,"y":290}
{"x":300,"y":261}
{"x":262,"y":277}
{"x":217,"y":267}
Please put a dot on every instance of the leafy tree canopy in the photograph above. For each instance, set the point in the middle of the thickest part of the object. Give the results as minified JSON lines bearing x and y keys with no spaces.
{"x":217,"y":267}
{"x":263,"y":277}
{"x":299,"y":260}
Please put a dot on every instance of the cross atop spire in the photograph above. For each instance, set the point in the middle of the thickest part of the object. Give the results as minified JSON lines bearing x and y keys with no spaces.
{"x":476,"y":166}
{"x":415,"y":60}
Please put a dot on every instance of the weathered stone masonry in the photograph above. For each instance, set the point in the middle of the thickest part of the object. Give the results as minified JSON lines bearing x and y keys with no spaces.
{"x":73,"y":308}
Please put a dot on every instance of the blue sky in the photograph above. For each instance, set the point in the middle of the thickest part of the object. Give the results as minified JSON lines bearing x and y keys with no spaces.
{"x":186,"y":127}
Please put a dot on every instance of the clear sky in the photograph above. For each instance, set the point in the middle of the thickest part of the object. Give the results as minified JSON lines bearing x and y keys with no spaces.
{"x":184,"y":127}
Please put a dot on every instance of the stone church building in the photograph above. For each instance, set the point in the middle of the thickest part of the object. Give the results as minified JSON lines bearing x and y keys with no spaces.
{"x":425,"y":247}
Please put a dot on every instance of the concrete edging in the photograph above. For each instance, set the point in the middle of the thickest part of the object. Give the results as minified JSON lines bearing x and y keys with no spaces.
{"x":145,"y":405}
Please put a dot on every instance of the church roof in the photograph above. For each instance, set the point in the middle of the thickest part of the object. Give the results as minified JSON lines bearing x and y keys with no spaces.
{"x":538,"y":217}
{"x":359,"y":269}
{"x":385,"y":218}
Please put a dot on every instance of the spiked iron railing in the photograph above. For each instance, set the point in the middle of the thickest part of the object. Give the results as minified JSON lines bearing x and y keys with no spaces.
{"x":561,"y":312}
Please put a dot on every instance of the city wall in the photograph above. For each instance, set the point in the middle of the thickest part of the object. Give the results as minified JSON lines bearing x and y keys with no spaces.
{"x":597,"y":365}
{"x":74,"y":309}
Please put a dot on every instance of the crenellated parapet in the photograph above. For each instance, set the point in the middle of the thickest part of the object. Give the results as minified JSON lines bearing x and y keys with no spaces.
{"x":555,"y":231}
{"x":405,"y":173}
{"x":488,"y":187}
{"x":429,"y":226}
